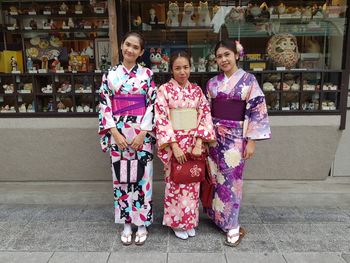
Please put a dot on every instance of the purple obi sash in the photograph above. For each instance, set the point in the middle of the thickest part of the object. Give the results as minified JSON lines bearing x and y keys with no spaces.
{"x":129,"y":104}
{"x":228,"y":109}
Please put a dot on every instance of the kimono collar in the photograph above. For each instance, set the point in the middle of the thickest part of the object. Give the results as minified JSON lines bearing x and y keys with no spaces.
{"x":237,"y":73}
{"x":175,"y":83}
{"x":133,"y":69}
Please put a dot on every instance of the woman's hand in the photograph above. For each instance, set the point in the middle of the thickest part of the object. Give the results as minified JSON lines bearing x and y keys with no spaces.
{"x":249,"y":150}
{"x":137,"y":142}
{"x":119,"y":139}
{"x":178,"y":153}
{"x":197,"y":149}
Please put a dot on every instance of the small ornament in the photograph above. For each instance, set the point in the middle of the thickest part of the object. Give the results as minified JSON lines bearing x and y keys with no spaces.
{"x":203,"y":14}
{"x":29,"y":64}
{"x":55,"y":65}
{"x":173,"y":15}
{"x":33,"y":24}
{"x":153,"y":19}
{"x":64,"y":7}
{"x":13,"y":63}
{"x":187,"y":15}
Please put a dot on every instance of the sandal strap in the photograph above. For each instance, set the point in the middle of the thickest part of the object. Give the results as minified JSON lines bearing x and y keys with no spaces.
{"x":143,"y":234}
{"x":233,"y":235}
{"x":126,"y":235}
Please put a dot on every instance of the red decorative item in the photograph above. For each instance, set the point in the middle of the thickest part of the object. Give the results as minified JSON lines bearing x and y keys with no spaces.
{"x":192,"y":171}
{"x":207,"y":189}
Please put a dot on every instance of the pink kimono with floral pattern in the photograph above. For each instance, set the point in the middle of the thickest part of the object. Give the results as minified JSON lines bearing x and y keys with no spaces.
{"x":181,"y":200}
{"x":226,"y":157}
{"x":132,"y":202}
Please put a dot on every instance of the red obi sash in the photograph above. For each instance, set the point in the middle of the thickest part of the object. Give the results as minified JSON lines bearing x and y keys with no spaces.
{"x":228,"y":109}
{"x":129,"y":104}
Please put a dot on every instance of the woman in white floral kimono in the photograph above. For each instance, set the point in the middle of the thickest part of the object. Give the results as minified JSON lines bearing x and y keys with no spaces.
{"x":126,"y":118}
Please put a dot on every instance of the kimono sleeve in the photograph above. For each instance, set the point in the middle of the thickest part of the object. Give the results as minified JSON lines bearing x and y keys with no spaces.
{"x":256,"y":120}
{"x":147,"y":123}
{"x":164,"y":131}
{"x":205,"y":129}
{"x":105,"y":116}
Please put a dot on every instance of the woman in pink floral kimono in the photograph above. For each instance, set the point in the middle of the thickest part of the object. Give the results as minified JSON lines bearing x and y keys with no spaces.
{"x":174,"y":140}
{"x":240,"y":118}
{"x":126,"y":119}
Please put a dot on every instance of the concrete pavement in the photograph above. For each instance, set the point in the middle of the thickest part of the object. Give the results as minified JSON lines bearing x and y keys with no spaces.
{"x":287,"y":222}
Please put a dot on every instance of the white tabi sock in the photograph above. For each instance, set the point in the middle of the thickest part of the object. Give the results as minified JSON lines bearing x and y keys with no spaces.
{"x":127,"y":228}
{"x":234,"y":232}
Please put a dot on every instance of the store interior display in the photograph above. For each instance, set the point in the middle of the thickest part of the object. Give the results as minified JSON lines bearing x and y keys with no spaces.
{"x":62,"y":49}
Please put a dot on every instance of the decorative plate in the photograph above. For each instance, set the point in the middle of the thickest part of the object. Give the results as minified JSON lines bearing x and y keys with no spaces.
{"x":44,"y":43}
{"x":32,"y":52}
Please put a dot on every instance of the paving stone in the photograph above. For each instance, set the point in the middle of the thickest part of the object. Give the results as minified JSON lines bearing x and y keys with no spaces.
{"x":278,"y":215}
{"x":346,"y":257}
{"x":313,"y":258}
{"x":79,"y":257}
{"x":22,"y":213}
{"x":28,"y":257}
{"x":144,"y":257}
{"x":66,"y":236}
{"x":99,"y":213}
{"x":327,"y":215}
{"x":257,"y":240}
{"x":237,"y":257}
{"x":208,"y":239}
{"x":249,"y":215}
{"x":157,"y":241}
{"x":337,"y":231}
{"x":59,"y":213}
{"x":304,"y":238}
{"x":196,"y":257}
{"x":9,"y":233}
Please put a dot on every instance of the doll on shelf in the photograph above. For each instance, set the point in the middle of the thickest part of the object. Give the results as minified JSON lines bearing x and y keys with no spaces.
{"x":13,"y":63}
{"x":153,"y":19}
{"x":173,"y":15}
{"x":64,"y":7}
{"x":55,"y":65}
{"x":29,"y":64}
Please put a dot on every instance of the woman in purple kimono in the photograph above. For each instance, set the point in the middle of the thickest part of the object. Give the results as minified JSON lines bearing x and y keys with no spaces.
{"x":240,"y":118}
{"x":126,"y":119}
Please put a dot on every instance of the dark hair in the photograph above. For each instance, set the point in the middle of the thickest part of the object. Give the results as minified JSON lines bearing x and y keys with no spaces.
{"x":135,"y":34}
{"x":179,"y":54}
{"x":229,"y":44}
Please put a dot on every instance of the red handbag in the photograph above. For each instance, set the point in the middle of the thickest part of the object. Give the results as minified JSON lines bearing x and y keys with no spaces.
{"x":192,"y":171}
{"x":207,"y":189}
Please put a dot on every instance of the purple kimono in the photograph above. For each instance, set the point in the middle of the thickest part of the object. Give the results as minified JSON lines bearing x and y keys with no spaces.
{"x":226,"y":157}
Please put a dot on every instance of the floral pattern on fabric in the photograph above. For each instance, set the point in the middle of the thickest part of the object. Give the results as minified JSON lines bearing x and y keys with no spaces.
{"x":133,"y":203}
{"x":226,"y":156}
{"x":181,"y":200}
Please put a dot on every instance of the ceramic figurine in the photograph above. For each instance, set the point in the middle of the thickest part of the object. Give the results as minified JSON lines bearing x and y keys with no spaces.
{"x":201,"y":64}
{"x":13,"y":63}
{"x":86,"y":108}
{"x":236,"y":14}
{"x":56,"y":64}
{"x":80,"y":109}
{"x":47,"y":89}
{"x":22,"y":108}
{"x":164,"y":66}
{"x":8,"y":88}
{"x":33,"y":24}
{"x":104,"y":65}
{"x":44,"y":63}
{"x":50,"y":105}
{"x":212,"y":66}
{"x":153,"y":19}
{"x":64,"y":7}
{"x":173,"y":15}
{"x":203,"y":14}
{"x":156,"y":59}
{"x":65,"y":88}
{"x":187,"y":15}
{"x":193,"y":68}
{"x":29,"y":64}
{"x":70,"y":22}
{"x":268,"y":86}
{"x":78,"y":7}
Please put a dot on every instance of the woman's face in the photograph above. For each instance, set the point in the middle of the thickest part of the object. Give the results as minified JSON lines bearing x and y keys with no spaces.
{"x":131,"y":49}
{"x":181,"y":70}
{"x":226,"y":59}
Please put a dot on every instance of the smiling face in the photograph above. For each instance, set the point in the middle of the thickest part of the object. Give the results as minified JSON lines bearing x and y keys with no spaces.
{"x":226,"y":59}
{"x":131,"y":49}
{"x":181,"y":70}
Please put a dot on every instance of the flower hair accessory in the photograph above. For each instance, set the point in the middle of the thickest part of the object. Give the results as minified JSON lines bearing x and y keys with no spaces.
{"x":239,"y":49}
